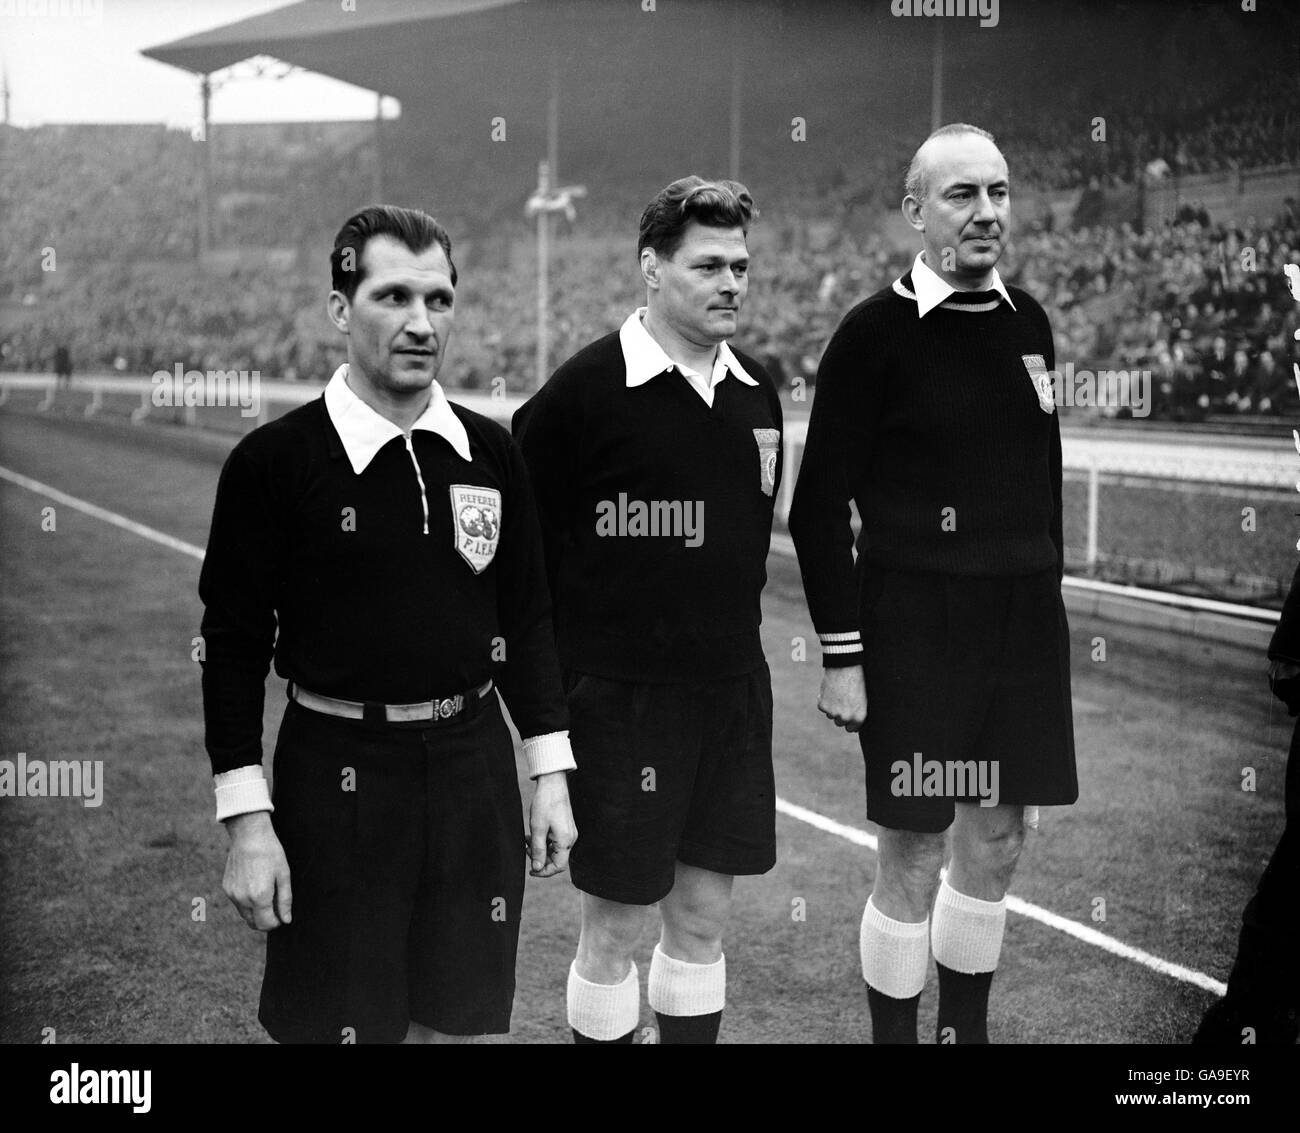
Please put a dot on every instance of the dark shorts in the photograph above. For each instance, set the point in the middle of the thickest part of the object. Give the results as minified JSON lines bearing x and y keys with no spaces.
{"x":964,"y":669}
{"x":669,"y":773}
{"x":407,"y":889}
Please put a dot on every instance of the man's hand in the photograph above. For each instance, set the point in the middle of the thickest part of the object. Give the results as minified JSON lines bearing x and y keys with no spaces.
{"x":843,"y":697}
{"x":257,"y":872}
{"x":551,"y":832}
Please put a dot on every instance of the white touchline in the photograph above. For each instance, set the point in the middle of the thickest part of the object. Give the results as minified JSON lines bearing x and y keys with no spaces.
{"x":811,"y":817}
{"x":1025,"y":909}
{"x":102,"y":513}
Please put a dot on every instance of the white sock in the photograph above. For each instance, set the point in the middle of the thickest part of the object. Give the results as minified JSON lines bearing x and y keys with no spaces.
{"x":895,"y":954}
{"x":967,"y":932}
{"x":604,"y":1011}
{"x":681,"y":988}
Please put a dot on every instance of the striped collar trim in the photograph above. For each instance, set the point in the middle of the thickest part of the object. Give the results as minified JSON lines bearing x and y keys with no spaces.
{"x":901,"y":288}
{"x":930,"y":290}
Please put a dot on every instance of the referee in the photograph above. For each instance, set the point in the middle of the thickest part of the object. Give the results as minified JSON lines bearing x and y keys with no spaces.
{"x":655,"y":453}
{"x":383,"y":545}
{"x":935,"y":415}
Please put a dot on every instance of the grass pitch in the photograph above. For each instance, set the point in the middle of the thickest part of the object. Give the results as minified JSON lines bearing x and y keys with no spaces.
{"x":115,"y":928}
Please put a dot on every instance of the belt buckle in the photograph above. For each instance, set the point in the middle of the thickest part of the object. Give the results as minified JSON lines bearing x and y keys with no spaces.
{"x":446,"y":708}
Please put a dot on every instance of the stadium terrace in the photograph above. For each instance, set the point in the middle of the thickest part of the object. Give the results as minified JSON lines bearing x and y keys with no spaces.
{"x":987,"y":10}
{"x":215,"y":387}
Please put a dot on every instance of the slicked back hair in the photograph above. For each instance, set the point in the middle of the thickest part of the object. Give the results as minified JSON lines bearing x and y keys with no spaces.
{"x":416,"y":229}
{"x":719,"y":204}
{"x":917,"y":184}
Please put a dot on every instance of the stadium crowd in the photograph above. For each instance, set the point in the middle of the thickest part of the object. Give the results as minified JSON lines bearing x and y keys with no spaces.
{"x":1200,"y":303}
{"x":1226,"y":122}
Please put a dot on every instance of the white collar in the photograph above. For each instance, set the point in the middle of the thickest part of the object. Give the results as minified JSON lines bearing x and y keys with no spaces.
{"x":644,"y":358}
{"x":932,"y":289}
{"x":364,"y":432}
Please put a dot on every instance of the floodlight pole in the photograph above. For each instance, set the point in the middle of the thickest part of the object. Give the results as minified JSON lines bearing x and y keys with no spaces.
{"x":543,"y":275}
{"x":734,"y":164}
{"x":378,"y":184}
{"x":553,"y":123}
{"x":549,"y":198}
{"x":936,"y":85}
{"x":547,"y":175}
{"x":205,"y":200}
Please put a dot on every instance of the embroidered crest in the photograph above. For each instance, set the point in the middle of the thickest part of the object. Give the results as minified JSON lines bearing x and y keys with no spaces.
{"x":476,"y":515}
{"x":1036,"y":365}
{"x":769,"y":444}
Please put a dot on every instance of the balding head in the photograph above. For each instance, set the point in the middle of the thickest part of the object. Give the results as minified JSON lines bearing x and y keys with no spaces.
{"x":958,"y":139}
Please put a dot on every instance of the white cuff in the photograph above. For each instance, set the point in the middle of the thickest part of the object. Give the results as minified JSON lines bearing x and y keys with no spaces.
{"x":895,"y":954}
{"x":680,"y":988}
{"x":966,"y":932}
{"x":241,"y":791}
{"x":548,"y":753}
{"x":603,"y":1011}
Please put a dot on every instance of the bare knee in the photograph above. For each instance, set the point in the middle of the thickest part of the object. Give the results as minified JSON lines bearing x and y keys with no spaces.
{"x":907,"y":874}
{"x":984,"y":857}
{"x":610,"y":933}
{"x":693,"y":930}
{"x":695,"y":914}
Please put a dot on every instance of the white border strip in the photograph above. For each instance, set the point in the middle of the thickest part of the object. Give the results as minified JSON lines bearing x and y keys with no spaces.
{"x":103,"y":513}
{"x":784,"y":545}
{"x":1181,"y":601}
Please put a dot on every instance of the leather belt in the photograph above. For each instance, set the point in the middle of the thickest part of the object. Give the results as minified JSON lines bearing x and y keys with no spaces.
{"x":442,"y":711}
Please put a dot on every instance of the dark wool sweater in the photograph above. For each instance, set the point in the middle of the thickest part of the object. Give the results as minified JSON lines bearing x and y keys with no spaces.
{"x":915,"y":416}
{"x":653,"y":607}
{"x":369,"y":607}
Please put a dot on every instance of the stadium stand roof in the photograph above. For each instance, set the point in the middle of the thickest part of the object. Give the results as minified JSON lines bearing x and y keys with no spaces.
{"x":424,"y":51}
{"x":319,"y":35}
{"x":623,"y":75}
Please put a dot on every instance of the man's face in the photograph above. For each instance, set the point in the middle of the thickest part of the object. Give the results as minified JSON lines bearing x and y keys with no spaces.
{"x":700,"y":289}
{"x":966,"y":215}
{"x":399,"y":320}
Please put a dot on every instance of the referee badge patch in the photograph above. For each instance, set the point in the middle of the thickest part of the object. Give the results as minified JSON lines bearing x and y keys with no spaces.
{"x":476,"y":513}
{"x":1037,"y":367}
{"x":769,"y":444}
